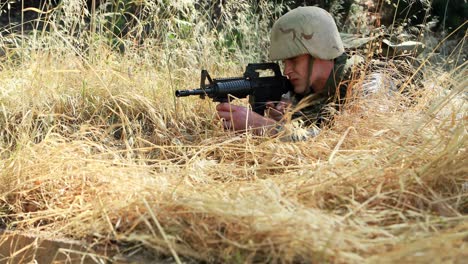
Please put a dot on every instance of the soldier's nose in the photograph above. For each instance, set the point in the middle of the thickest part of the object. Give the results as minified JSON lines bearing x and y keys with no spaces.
{"x":287,"y":67}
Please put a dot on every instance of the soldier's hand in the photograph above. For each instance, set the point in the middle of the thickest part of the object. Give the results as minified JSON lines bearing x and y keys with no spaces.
{"x":240,"y":118}
{"x":277,"y":111}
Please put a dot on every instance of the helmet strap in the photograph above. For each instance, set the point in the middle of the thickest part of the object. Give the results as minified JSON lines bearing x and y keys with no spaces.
{"x":309,"y":73}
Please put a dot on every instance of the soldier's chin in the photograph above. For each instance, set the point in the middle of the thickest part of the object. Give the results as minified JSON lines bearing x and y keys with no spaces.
{"x":302,"y":91}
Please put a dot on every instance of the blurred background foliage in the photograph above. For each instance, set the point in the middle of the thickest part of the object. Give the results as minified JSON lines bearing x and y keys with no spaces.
{"x":449,"y":14}
{"x":236,"y":26}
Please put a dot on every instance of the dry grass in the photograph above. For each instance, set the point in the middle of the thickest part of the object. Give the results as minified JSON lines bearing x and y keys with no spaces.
{"x":98,"y":150}
{"x":118,"y":163}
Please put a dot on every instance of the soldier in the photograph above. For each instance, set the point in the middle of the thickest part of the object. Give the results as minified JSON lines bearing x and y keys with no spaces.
{"x":308,"y":43}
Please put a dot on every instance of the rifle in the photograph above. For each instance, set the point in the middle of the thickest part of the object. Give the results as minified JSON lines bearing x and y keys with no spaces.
{"x":259,"y":89}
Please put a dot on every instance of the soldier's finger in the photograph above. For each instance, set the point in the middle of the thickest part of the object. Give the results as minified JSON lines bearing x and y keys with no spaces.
{"x":224,"y":115}
{"x":227,"y":124}
{"x":223,"y":107}
{"x":269,"y":104}
{"x":227,"y":107}
{"x":281,"y":106}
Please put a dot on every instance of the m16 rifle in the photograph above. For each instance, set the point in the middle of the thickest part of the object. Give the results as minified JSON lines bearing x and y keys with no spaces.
{"x":260,"y":90}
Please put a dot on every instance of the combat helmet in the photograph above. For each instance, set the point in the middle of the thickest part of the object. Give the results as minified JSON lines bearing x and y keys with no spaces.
{"x":305,"y":30}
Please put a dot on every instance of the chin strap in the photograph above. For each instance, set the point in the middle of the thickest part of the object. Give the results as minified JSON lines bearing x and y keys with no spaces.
{"x":309,"y":73}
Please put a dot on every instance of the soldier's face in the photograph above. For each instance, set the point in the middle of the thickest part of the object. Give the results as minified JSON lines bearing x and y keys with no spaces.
{"x":305,"y":82}
{"x":297,"y":69}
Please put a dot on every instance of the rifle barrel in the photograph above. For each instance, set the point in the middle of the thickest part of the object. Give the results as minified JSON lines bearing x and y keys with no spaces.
{"x":183,"y":93}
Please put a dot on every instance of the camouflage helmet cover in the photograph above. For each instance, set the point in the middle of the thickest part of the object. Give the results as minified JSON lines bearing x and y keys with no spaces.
{"x":305,"y":30}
